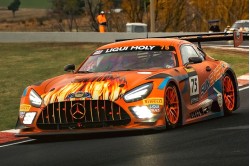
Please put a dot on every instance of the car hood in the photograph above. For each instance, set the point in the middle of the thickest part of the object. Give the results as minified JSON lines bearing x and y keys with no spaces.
{"x":96,"y":86}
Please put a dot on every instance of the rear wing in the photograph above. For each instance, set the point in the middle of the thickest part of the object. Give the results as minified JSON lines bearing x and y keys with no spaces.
{"x":237,"y":37}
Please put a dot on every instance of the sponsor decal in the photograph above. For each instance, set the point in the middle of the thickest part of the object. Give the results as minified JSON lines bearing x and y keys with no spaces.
{"x":217,"y":73}
{"x":199,"y":112}
{"x":206,"y":103}
{"x":24,"y":107}
{"x":194,"y":99}
{"x":204,"y":109}
{"x":212,"y":78}
{"x":79,"y":94}
{"x":134,"y":48}
{"x":154,"y":108}
{"x":131,"y":48}
{"x":117,"y":49}
{"x":21,"y":114}
{"x":204,"y":87}
{"x":189,"y":70}
{"x":150,"y":101}
{"x":220,"y":100}
{"x":219,"y":97}
{"x":97,"y":52}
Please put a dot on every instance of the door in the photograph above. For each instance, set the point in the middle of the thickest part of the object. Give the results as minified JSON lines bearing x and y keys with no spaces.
{"x":197,"y":73}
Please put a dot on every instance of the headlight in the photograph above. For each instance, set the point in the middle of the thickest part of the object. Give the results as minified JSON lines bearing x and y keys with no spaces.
{"x":138,"y":93}
{"x":35,"y":99}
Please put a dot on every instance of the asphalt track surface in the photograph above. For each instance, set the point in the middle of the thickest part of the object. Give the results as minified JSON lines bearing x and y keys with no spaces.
{"x":221,"y":141}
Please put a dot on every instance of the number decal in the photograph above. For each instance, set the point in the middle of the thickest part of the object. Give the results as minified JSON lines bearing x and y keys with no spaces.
{"x":194,"y":85}
{"x":165,"y":47}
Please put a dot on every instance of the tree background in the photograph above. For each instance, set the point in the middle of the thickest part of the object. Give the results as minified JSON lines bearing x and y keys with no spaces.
{"x":69,"y":10}
{"x":171,"y":15}
{"x":14,"y":6}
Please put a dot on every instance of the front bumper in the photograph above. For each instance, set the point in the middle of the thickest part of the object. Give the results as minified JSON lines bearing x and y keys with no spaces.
{"x":27,"y":133}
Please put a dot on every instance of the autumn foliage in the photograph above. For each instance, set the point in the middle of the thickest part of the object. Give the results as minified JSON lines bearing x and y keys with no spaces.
{"x":178,"y":15}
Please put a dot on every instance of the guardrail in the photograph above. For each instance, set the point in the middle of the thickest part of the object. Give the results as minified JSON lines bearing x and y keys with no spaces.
{"x":95,"y":37}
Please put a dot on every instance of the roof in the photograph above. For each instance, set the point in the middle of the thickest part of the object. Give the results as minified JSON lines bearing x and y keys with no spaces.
{"x":147,"y":41}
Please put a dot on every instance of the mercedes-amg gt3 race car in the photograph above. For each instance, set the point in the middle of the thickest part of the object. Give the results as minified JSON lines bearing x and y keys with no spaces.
{"x":135,"y":84}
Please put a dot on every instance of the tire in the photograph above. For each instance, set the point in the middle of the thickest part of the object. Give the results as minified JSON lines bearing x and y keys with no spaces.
{"x":172,"y":107}
{"x":229,"y":94}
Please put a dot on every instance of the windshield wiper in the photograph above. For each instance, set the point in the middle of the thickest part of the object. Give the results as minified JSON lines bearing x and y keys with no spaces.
{"x":122,"y":70}
{"x":85,"y":71}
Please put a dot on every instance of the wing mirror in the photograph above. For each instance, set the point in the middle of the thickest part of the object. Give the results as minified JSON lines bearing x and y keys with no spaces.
{"x":194,"y":60}
{"x":69,"y":67}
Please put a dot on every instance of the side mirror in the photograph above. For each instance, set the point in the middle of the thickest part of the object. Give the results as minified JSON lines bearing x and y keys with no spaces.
{"x":194,"y":60}
{"x":69,"y":67}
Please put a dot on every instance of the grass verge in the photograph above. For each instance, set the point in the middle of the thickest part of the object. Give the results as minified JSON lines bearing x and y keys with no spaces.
{"x":239,"y":60}
{"x":25,"y":64}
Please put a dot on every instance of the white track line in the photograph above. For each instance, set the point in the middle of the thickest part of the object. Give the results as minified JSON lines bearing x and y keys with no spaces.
{"x":241,"y":89}
{"x":15,"y":143}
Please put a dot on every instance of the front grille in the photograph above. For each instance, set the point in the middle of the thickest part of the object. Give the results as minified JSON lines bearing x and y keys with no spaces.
{"x":82,"y":114}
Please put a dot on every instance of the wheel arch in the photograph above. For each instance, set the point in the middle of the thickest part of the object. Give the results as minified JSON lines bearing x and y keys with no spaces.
{"x":175,"y":84}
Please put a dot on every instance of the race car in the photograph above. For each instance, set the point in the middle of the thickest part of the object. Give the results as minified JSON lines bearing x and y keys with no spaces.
{"x":239,"y":25}
{"x":153,"y":83}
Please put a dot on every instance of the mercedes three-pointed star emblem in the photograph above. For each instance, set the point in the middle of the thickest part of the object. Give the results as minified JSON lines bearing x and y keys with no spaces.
{"x":77,"y":111}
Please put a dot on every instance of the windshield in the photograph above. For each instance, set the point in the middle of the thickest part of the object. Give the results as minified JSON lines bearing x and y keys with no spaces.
{"x":103,"y":60}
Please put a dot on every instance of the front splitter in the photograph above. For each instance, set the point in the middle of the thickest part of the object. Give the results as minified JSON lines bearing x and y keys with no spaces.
{"x":86,"y":131}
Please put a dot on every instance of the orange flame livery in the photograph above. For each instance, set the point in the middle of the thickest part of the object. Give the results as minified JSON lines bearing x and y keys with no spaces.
{"x":100,"y":88}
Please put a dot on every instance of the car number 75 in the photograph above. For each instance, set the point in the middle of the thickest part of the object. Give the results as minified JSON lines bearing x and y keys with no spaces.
{"x":194,"y":85}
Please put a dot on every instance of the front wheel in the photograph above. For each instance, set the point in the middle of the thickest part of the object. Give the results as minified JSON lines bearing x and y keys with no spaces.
{"x":172,"y":107}
{"x":229,"y":92}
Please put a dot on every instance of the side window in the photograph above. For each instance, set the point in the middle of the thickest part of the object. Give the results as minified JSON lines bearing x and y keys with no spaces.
{"x":186,"y":52}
